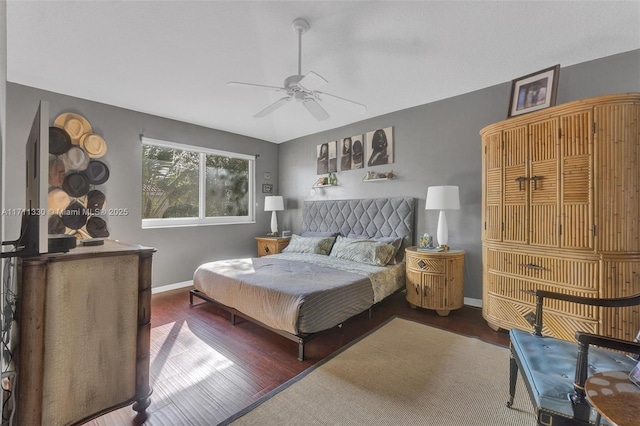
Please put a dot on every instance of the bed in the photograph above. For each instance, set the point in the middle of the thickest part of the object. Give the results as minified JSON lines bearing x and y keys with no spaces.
{"x":348,"y":256}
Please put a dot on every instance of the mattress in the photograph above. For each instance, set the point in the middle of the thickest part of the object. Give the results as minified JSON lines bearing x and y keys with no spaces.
{"x":297,"y":292}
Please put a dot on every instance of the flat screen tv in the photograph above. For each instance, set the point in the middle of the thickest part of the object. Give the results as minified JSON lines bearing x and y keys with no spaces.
{"x":33,"y":239}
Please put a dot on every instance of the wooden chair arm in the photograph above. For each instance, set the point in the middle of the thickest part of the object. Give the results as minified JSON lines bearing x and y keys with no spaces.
{"x":587,"y":339}
{"x":582,"y":361}
{"x":616,"y":302}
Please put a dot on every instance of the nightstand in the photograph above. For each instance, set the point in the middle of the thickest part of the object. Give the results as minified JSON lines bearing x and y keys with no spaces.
{"x":435,"y":279}
{"x":271,"y":245}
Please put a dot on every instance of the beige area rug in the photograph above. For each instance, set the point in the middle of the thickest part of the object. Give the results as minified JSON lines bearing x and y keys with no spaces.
{"x":402,"y":373}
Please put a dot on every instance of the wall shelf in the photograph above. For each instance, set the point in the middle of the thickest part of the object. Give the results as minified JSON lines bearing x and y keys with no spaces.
{"x":324,"y":186}
{"x":376,"y":179}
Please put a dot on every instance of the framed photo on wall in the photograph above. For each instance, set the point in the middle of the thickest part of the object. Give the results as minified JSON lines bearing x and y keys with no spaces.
{"x":534,"y":91}
{"x":351,"y":152}
{"x":322,"y":158}
{"x":380,"y":146}
{"x":345,"y":153}
{"x":267,"y":188}
{"x":357,"y":152}
{"x":326,"y":158}
{"x":333,"y":156}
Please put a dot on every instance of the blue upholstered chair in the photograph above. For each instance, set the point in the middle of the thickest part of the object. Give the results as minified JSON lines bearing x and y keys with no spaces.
{"x":555,"y":370}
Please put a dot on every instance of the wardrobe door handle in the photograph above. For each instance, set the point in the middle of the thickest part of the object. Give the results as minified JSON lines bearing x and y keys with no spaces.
{"x":520,"y":179}
{"x":535,"y":180}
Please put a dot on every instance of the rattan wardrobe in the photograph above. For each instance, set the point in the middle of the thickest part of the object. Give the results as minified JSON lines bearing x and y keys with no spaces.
{"x":561,"y":201}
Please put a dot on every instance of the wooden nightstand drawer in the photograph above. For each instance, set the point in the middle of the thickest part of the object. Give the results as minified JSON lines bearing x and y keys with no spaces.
{"x":434,"y":266}
{"x":271,"y":245}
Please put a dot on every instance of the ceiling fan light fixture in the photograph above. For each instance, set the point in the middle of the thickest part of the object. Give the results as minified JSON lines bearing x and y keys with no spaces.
{"x":301,"y":88}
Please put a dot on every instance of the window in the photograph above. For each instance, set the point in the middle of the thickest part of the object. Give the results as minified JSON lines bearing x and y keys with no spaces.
{"x":188,"y":185}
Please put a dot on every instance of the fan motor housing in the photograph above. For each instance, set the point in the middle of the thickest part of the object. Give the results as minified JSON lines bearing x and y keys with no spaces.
{"x":292,"y":80}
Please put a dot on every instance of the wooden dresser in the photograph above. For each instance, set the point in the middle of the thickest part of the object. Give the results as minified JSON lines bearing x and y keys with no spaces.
{"x":84,"y":323}
{"x":561,"y":212}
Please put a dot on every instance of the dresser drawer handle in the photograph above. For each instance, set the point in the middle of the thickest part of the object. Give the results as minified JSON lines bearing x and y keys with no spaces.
{"x":422,"y":265}
{"x":532,"y":266}
{"x":266,"y":249}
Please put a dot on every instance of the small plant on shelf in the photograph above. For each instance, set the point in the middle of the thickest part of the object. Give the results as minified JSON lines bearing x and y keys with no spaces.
{"x":329,"y":180}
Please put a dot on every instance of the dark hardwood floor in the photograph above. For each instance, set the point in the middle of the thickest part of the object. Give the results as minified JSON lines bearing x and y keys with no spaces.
{"x":203,"y":369}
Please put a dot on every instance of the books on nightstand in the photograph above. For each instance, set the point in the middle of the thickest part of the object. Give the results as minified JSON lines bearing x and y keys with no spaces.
{"x":432,"y":249}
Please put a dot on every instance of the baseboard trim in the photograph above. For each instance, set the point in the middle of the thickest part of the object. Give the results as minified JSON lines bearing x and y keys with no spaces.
{"x":170,"y":287}
{"x":473,"y":302}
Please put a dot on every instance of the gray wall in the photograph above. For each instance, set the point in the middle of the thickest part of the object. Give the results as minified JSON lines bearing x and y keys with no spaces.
{"x":179,"y":250}
{"x":439,"y":144}
{"x":435,"y":144}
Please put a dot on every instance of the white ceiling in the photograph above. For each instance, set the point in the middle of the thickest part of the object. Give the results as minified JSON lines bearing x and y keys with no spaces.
{"x":174,"y":58}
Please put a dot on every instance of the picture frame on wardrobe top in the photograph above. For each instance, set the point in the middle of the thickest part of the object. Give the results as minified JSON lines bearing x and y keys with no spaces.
{"x":534,"y":91}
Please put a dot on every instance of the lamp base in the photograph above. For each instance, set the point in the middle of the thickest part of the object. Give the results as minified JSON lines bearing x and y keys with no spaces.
{"x":274,"y":223}
{"x":443,"y":231}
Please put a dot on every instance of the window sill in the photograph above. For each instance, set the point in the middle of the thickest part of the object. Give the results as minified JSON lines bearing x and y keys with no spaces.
{"x":187,"y":224}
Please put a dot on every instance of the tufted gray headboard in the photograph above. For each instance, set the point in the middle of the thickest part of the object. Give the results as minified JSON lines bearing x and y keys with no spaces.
{"x":373,"y":217}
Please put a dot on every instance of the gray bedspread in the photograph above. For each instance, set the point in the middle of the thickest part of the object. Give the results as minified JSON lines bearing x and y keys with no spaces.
{"x":297,"y":293}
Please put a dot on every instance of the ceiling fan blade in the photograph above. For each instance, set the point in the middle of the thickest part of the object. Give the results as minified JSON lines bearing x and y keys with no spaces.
{"x":274,"y":106}
{"x":312,"y":81}
{"x":315,"y":109}
{"x":352,"y":105}
{"x":251,"y":86}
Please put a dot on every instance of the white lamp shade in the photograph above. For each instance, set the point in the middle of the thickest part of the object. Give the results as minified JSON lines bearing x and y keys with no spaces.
{"x":274,"y":203}
{"x":442,"y":198}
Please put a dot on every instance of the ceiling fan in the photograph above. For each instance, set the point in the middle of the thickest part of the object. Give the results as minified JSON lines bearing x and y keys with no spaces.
{"x":302,"y":88}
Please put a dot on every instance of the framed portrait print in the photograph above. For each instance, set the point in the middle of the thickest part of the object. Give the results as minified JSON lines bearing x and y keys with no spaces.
{"x":333,"y":156}
{"x":345,"y":153}
{"x":357,"y":152}
{"x":351,"y":152}
{"x":380,"y":147}
{"x":534,"y":91}
{"x":326,"y":158}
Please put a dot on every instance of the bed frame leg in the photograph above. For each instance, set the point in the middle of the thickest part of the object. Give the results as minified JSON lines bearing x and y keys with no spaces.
{"x":370,"y":313}
{"x":190,"y":298}
{"x":233,"y":319}
{"x":300,"y":350}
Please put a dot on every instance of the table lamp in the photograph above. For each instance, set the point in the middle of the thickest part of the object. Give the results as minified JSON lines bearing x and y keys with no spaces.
{"x":274,"y":204}
{"x":442,"y":198}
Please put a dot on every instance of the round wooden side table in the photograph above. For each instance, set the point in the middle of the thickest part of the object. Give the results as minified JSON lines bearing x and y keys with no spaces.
{"x":614,"y":396}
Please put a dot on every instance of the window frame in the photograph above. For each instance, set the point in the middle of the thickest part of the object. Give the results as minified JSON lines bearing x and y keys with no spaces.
{"x":202,"y":219}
